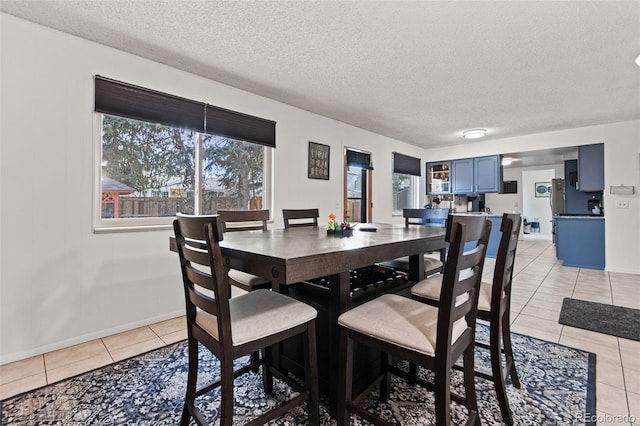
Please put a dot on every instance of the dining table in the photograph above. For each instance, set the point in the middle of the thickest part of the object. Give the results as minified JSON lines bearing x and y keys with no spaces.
{"x":320,"y":268}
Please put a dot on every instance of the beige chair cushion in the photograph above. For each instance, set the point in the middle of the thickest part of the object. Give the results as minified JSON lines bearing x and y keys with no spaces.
{"x":259,"y":314}
{"x":429,"y":288}
{"x":400,"y":321}
{"x":245,"y":280}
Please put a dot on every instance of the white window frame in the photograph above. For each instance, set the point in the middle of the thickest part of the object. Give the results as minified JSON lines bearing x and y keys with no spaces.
{"x":101,"y":225}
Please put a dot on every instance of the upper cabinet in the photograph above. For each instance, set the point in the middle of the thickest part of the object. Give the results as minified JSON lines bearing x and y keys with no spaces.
{"x":478,"y":175}
{"x":591,"y":168}
{"x":439,"y":178}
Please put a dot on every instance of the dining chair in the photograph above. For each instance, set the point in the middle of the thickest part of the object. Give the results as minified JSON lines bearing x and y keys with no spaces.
{"x":295,"y":218}
{"x":432,"y":264}
{"x":434,"y":338}
{"x":232,"y":328}
{"x":494,"y":306}
{"x":245,"y":220}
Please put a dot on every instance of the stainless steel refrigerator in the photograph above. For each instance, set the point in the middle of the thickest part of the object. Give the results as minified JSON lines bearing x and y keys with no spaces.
{"x":557,"y":197}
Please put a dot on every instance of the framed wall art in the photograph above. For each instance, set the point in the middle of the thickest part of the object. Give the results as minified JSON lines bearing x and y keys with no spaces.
{"x":543,"y":189}
{"x":318,"y":161}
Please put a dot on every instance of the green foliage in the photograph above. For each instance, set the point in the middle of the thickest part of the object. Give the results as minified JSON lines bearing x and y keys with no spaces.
{"x":238,"y":166}
{"x":147,"y":156}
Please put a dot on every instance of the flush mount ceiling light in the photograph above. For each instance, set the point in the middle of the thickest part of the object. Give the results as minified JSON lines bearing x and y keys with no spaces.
{"x":506,"y":161}
{"x":638,"y":61}
{"x":474,"y":133}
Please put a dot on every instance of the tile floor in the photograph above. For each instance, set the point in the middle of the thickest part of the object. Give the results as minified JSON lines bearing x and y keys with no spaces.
{"x":540,"y":284}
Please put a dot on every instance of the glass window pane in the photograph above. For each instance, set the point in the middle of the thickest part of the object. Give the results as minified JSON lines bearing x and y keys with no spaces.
{"x":232,"y":175}
{"x":404,"y":191}
{"x":148,"y":170}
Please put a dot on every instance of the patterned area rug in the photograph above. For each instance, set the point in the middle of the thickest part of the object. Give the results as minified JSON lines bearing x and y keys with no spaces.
{"x":602,"y":318}
{"x":558,"y":388}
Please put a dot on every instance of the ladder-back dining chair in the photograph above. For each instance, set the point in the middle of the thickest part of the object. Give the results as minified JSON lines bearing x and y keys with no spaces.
{"x":432,"y":263}
{"x":295,"y":218}
{"x":245,"y":220}
{"x":494,"y":306}
{"x":232,"y":328}
{"x":434,"y":338}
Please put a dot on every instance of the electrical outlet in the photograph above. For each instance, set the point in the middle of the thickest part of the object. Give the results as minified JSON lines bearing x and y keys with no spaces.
{"x":622,"y":204}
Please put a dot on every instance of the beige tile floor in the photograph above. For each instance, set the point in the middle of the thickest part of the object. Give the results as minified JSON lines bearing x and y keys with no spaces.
{"x":540,"y":284}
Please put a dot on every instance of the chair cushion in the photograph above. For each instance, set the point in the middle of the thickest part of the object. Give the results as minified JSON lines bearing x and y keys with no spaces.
{"x":259,"y":314}
{"x":244,"y":279}
{"x":429,"y":288}
{"x":484,"y":300}
{"x":400,"y":321}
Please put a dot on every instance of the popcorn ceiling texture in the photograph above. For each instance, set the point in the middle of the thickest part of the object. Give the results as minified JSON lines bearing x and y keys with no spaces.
{"x":417,"y":71}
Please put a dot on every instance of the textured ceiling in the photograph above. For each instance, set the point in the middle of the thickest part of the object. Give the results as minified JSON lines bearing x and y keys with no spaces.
{"x":417,"y":71}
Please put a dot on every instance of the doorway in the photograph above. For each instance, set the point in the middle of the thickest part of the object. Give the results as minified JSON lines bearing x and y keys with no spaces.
{"x":357,"y":186}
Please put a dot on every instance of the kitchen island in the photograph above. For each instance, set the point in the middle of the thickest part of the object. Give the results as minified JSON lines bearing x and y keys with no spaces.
{"x":580,"y":241}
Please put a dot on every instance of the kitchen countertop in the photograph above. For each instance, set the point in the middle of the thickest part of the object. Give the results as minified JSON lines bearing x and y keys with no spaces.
{"x":579,"y":216}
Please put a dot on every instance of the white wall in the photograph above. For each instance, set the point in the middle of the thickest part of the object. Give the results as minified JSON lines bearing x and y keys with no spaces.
{"x":536,"y":208}
{"x":505,"y":203}
{"x":622,"y":166}
{"x":62,"y":284}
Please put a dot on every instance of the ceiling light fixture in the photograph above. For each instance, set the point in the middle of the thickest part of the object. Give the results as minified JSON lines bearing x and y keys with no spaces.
{"x":474,"y":133}
{"x":638,"y":61}
{"x":506,"y":161}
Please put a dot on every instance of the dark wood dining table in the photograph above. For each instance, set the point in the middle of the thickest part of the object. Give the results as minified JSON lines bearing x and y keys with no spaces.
{"x":293,"y":258}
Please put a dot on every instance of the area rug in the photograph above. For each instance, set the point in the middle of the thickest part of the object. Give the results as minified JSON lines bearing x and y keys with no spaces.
{"x":558,"y":388}
{"x":608,"y":319}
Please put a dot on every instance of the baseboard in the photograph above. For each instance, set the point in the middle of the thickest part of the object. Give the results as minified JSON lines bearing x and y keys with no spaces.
{"x":17,"y":356}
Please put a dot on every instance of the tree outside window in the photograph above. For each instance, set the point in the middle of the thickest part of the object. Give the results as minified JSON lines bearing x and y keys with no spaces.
{"x":149,"y":170}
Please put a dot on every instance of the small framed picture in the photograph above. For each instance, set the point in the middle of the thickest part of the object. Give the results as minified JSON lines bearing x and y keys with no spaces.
{"x":543,"y":189}
{"x":318,"y":161}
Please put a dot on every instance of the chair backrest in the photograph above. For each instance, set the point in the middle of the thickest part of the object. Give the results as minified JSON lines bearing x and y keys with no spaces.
{"x":503,"y":272}
{"x":301,"y":217}
{"x":461,"y":281}
{"x":204,"y":275}
{"x":414,"y":216}
{"x":244,"y":220}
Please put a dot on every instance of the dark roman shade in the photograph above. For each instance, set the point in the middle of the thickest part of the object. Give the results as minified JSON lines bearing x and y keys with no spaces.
{"x":359,"y":159}
{"x":126,"y":100}
{"x":406,"y":165}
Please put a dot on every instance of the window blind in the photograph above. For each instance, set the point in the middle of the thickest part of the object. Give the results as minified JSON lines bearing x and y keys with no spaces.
{"x":126,"y":100}
{"x":358,"y":159}
{"x":406,"y":165}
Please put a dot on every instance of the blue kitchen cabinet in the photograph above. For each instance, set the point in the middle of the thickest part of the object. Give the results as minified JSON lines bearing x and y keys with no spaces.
{"x":494,"y":237}
{"x":462,"y":176}
{"x":487,"y":174}
{"x":478,"y":175}
{"x":580,"y":241}
{"x":591,"y":168}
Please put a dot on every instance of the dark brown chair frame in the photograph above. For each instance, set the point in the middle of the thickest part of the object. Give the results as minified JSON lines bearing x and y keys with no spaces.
{"x":197,"y":239}
{"x":499,"y":317}
{"x":300,"y":214}
{"x":245,"y":220}
{"x":460,"y":230}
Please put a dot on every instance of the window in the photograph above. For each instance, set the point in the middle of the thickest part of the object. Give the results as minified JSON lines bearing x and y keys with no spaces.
{"x":157,"y":160}
{"x":405,"y":185}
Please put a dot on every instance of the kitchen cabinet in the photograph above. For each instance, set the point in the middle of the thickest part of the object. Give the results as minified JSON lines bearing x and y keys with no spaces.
{"x":478,"y":175}
{"x":439,"y":178}
{"x":591,"y":168}
{"x":580,"y":241}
